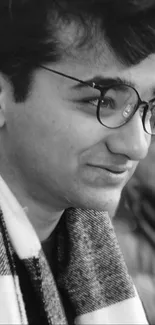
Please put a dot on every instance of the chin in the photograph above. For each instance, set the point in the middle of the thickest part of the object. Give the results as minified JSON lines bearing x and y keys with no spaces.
{"x":108,"y":200}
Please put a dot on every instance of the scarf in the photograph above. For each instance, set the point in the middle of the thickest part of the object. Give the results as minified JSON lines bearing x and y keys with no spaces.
{"x":90,"y":278}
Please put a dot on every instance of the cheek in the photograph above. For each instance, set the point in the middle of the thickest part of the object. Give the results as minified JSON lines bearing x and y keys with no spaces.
{"x":48,"y":136}
{"x":132,"y":171}
{"x":41,"y":139}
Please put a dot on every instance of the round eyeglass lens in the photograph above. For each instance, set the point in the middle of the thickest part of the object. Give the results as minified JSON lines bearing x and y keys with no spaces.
{"x":150,"y":118}
{"x":117,"y":105}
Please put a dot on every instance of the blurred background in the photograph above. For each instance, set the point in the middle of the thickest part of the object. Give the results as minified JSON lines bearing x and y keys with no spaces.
{"x":135,"y":227}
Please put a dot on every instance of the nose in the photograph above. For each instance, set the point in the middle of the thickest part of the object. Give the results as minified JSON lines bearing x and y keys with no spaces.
{"x":130,"y":139}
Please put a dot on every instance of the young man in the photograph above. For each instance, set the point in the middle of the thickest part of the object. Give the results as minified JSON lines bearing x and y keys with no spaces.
{"x":76,"y":116}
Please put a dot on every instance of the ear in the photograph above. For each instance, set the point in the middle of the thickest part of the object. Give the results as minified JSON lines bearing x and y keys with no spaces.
{"x":3,"y":99}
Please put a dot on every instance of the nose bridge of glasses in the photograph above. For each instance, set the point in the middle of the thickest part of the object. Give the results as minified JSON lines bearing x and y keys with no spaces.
{"x":147,"y":116}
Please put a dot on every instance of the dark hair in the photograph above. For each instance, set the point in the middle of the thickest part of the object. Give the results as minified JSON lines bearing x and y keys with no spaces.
{"x":28,"y":32}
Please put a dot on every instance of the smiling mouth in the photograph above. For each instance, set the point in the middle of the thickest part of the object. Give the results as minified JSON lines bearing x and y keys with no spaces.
{"x":112,"y":169}
{"x":102,"y":176}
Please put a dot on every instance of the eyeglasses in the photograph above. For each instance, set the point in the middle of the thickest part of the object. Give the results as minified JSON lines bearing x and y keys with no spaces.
{"x":116,"y":103}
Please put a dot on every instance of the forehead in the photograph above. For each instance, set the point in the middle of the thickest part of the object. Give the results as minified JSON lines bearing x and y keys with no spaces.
{"x":142,"y":76}
{"x":98,"y":59}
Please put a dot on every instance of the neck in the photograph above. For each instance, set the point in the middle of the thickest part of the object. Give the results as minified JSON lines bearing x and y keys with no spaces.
{"x":43,"y":216}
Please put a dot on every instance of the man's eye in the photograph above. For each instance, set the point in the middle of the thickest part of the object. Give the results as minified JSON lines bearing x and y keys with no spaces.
{"x":108,"y":103}
{"x":104,"y":103}
{"x":94,"y":102}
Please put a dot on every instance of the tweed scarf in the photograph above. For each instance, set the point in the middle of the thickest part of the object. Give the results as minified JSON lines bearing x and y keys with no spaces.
{"x":91,"y":284}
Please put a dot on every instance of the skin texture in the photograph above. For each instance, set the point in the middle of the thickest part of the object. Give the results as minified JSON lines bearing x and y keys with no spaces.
{"x":47,"y":142}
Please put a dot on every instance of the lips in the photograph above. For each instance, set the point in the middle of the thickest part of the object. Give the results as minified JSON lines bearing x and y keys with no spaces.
{"x":110,"y":176}
{"x":113,"y":169}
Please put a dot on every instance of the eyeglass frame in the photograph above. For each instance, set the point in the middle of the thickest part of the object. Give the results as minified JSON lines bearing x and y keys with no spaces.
{"x":105,"y":88}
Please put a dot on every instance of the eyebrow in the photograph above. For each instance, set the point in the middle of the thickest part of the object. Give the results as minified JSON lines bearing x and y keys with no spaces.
{"x":101,"y":82}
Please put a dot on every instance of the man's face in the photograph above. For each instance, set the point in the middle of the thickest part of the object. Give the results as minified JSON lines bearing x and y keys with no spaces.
{"x":65,"y":156}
